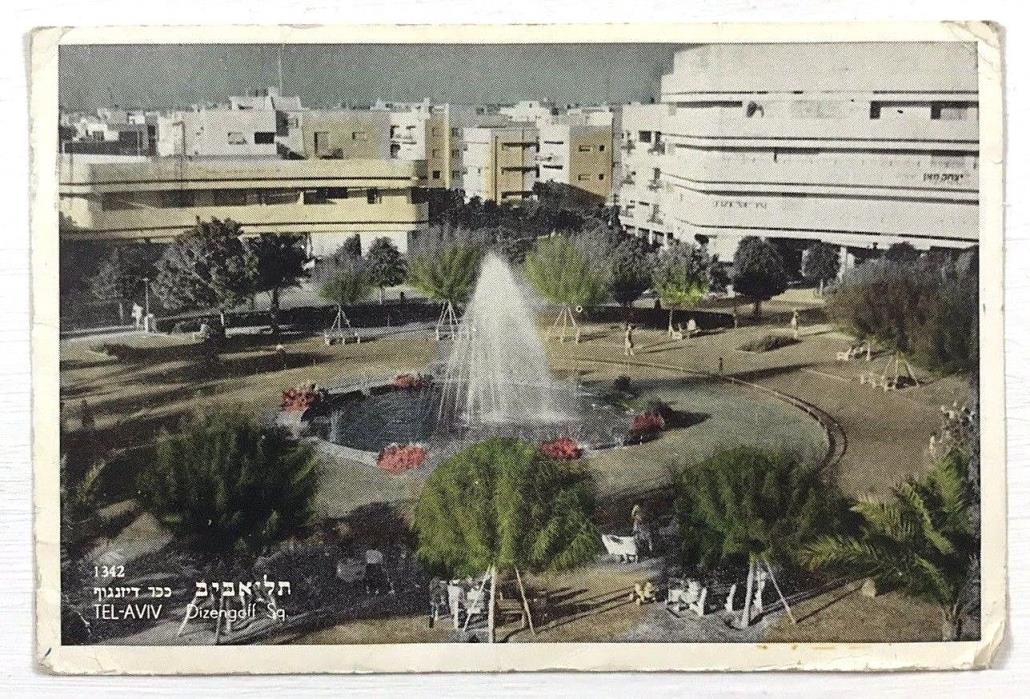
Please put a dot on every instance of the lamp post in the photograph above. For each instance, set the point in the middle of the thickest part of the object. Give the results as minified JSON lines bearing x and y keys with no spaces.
{"x":146,"y":304}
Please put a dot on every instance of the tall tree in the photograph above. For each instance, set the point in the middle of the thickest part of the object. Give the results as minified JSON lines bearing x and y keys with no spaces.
{"x":343,"y":279}
{"x":564,"y":275}
{"x":748,"y":507}
{"x":632,"y":262}
{"x":924,"y":542}
{"x":280,"y":263}
{"x":446,"y":269}
{"x":121,"y":274}
{"x":682,"y":276}
{"x":207,"y":267}
{"x":351,"y":246}
{"x":903,"y":253}
{"x":821,"y":263}
{"x":500,"y":506}
{"x":758,"y":271}
{"x":226,"y":485}
{"x":386,"y":266}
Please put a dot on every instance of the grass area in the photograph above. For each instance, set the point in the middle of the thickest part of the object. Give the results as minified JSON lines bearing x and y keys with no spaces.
{"x":164,"y":379}
{"x":846,"y":615}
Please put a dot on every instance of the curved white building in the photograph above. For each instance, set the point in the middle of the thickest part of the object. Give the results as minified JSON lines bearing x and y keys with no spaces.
{"x":862,"y":145}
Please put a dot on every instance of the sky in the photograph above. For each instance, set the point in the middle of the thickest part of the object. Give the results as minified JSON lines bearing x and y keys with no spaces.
{"x":166,"y":76}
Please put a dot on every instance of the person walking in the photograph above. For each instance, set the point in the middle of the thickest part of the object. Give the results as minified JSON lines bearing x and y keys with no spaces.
{"x":628,"y":345}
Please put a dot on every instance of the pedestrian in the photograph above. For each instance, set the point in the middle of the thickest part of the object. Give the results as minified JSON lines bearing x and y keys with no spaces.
{"x":720,"y":366}
{"x":628,"y":346}
{"x":794,"y":323}
{"x":374,"y":577}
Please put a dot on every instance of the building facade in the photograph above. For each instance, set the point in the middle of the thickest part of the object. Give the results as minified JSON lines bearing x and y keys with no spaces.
{"x":577,"y":154}
{"x":346,"y":133}
{"x":218,"y":132}
{"x":862,"y":145}
{"x":326,"y":201}
{"x":499,"y":162}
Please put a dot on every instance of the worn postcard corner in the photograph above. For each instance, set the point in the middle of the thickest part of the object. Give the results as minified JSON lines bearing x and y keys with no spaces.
{"x":518,"y":348}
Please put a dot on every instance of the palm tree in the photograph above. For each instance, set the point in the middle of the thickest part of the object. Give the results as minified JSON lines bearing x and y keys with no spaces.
{"x":746,"y":505}
{"x":924,"y":542}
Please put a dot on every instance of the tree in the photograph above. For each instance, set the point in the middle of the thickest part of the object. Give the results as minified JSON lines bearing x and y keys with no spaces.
{"x":351,"y":247}
{"x":226,"y":485}
{"x":343,"y":279}
{"x":564,"y":275}
{"x":500,"y":506}
{"x":758,"y":271}
{"x":120,"y":276}
{"x":280,"y":263}
{"x":821,"y":263}
{"x":207,"y":267}
{"x":683,"y":276}
{"x":926,"y":310}
{"x":923,"y":542}
{"x":747,"y":506}
{"x":631,"y":264}
{"x":385,"y":265}
{"x":446,"y":270}
{"x":904,"y":253}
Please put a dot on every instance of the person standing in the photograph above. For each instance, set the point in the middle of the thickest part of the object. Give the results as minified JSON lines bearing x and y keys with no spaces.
{"x":628,"y":344}
{"x":794,"y":324}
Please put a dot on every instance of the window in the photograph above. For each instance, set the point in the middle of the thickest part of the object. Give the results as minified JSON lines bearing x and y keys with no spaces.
{"x":237,"y":139}
{"x":292,"y":122}
{"x":337,"y":193}
{"x":118,"y":202}
{"x":645,"y":136}
{"x":600,"y":148}
{"x":230,"y":197}
{"x":583,"y":178}
{"x":600,"y":176}
{"x":585,"y":149}
{"x":455,"y":173}
{"x":358,"y":136}
{"x":436,"y":175}
{"x":264,"y":137}
{"x":455,"y":153}
{"x":322,"y":146}
{"x":393,"y":130}
{"x":272,"y":197}
{"x":316,"y":196}
{"x":175,"y":200}
{"x":455,"y":133}
{"x":373,"y":196}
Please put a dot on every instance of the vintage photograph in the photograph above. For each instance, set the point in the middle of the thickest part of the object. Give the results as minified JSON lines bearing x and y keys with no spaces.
{"x":668,"y":342}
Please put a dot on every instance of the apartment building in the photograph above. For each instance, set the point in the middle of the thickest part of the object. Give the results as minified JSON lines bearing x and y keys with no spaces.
{"x":109,"y":132}
{"x":324,"y":200}
{"x":861,"y":145}
{"x":346,"y":133}
{"x":578,"y":154}
{"x":531,"y":111}
{"x":499,"y":162}
{"x":218,"y":132}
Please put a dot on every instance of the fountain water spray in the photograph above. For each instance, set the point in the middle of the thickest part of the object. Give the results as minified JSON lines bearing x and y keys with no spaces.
{"x":496,"y":372}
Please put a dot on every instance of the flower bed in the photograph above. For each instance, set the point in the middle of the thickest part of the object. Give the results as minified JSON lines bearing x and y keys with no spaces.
{"x":401,"y":458}
{"x":298,"y":400}
{"x":411,"y":382}
{"x":562,"y":449}
{"x":646,"y":426}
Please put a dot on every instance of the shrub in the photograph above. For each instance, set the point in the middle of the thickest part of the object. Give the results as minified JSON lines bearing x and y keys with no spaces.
{"x":300,"y":399}
{"x":645,"y":426}
{"x":121,"y":352}
{"x":411,"y":382}
{"x":398,"y":459}
{"x":562,"y":449}
{"x":767,"y":343}
{"x":228,"y":485}
{"x":621,"y":384}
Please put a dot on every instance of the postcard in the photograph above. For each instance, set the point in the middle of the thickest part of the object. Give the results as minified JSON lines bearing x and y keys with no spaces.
{"x":518,"y":348}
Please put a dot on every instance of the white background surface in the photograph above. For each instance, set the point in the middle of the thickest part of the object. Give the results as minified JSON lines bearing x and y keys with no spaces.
{"x":1011,"y":675}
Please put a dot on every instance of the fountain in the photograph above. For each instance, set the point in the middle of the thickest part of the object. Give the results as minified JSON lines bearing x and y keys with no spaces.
{"x":496,"y":372}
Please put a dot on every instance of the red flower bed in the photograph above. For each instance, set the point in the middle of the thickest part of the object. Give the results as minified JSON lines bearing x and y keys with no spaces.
{"x":647,"y":425}
{"x":411,"y":382}
{"x":300,"y":399}
{"x":562,"y":449}
{"x":398,"y":459}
